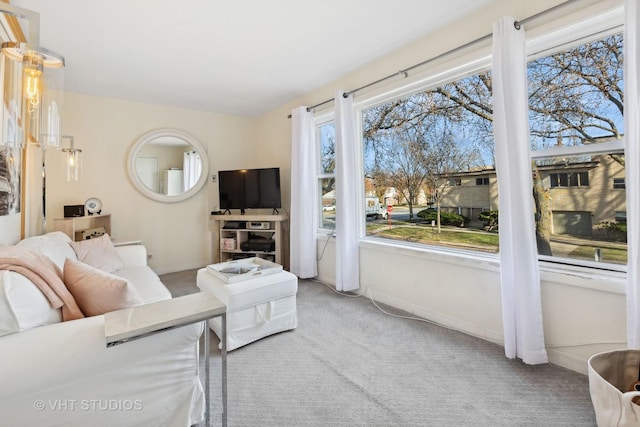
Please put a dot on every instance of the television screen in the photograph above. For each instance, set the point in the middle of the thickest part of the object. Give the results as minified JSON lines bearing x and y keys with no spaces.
{"x":231,"y":186}
{"x":249,"y":189}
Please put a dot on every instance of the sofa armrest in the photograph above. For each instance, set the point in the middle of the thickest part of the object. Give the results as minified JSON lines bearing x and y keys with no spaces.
{"x":132,"y":254}
{"x":52,"y":358}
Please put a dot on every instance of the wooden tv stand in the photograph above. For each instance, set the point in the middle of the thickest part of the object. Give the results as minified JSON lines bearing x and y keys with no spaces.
{"x":227,"y":237}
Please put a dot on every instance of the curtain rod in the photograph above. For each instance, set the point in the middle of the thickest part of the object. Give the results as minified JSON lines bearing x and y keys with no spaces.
{"x":405,"y":72}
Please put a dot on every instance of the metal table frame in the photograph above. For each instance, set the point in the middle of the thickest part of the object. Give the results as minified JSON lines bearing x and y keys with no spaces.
{"x":122,"y":326}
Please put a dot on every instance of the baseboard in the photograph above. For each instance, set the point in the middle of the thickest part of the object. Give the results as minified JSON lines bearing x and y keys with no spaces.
{"x":574,"y":363}
{"x":178,"y":267}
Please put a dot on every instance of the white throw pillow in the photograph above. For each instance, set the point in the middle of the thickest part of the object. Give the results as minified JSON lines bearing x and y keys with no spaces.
{"x":22,"y":305}
{"x":54,"y":245}
{"x":99,"y":253}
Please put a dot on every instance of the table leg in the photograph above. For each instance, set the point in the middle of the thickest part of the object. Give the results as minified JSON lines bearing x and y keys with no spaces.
{"x":207,"y":414}
{"x":224,"y":369}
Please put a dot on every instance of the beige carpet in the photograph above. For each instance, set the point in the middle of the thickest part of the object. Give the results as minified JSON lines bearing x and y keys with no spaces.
{"x":349,"y":364}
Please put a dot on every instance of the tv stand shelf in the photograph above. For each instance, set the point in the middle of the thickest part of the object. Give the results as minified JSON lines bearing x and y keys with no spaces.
{"x":230,"y":231}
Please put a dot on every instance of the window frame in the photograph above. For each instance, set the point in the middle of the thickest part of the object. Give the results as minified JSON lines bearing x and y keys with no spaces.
{"x":621,"y":183}
{"x":477,"y":62}
{"x":589,"y":29}
{"x":572,"y":179}
{"x":541,"y":41}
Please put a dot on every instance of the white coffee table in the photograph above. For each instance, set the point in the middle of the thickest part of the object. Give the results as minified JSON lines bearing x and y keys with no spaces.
{"x":122,"y":326}
{"x":256,"y":307}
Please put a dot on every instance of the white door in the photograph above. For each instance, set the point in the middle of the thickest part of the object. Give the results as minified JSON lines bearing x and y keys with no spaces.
{"x":147,"y":169}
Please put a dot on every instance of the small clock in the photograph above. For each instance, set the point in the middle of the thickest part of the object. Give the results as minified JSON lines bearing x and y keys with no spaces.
{"x":93,"y":205}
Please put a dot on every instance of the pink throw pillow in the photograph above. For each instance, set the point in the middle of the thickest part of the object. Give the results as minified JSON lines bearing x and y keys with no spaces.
{"x":98,"y":252}
{"x":97,"y":292}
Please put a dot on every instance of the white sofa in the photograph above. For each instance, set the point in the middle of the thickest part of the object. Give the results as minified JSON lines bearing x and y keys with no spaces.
{"x":55,"y":373}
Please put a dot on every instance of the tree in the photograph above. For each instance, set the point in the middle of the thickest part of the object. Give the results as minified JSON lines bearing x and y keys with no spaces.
{"x":328,"y":158}
{"x":414,"y":134}
{"x":577,"y":95}
{"x":444,"y":159}
{"x":403,"y":166}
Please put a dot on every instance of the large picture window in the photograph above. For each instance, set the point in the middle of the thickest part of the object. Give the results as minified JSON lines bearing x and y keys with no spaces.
{"x":429,"y":157}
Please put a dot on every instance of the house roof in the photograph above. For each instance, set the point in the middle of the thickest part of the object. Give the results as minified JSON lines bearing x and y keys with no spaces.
{"x":234,"y":57}
{"x":556,"y":166}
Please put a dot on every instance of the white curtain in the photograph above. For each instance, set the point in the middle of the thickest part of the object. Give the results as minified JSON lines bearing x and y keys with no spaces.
{"x":632,"y":156}
{"x":191,"y":169}
{"x":347,"y":196}
{"x":519,"y":274}
{"x":304,"y":206}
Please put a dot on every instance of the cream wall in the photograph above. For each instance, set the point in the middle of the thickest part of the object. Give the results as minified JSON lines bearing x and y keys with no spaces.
{"x":176,"y":234}
{"x":583,"y":313}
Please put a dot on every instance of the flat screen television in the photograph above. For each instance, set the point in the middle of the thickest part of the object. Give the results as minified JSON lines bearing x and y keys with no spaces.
{"x":249,"y":189}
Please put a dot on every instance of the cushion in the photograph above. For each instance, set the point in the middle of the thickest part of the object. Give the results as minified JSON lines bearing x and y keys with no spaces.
{"x":96,"y":291}
{"x":146,"y":282}
{"x":54,"y":245}
{"x":22,"y":305}
{"x":98,"y":252}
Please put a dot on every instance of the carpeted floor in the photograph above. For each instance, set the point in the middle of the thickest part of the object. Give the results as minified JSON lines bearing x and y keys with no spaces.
{"x":349,"y":364}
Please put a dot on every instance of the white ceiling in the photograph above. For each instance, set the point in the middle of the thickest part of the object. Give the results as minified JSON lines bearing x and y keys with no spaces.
{"x":240,"y":57}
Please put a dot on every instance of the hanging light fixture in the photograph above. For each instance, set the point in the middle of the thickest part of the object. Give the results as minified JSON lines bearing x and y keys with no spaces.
{"x":33,"y":79}
{"x":32,"y":85}
{"x":74,"y":160}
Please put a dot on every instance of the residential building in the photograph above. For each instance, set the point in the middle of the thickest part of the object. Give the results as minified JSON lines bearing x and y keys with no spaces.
{"x":582,"y":195}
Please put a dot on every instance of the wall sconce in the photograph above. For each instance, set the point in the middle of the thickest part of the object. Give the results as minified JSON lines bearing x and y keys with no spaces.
{"x":74,"y":160}
{"x":33,"y":79}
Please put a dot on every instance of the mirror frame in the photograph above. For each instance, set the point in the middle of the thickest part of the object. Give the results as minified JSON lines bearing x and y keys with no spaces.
{"x":149,"y":137}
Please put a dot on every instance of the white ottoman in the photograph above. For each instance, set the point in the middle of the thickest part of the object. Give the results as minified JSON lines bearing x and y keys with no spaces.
{"x":256,"y":308}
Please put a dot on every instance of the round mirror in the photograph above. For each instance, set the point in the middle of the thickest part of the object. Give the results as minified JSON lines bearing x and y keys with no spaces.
{"x":168,"y":165}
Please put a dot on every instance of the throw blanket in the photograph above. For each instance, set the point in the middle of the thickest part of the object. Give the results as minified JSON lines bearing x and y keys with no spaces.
{"x":45,"y":274}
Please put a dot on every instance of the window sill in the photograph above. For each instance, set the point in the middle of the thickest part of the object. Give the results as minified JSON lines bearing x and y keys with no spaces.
{"x":571,"y":275}
{"x":482,"y":260}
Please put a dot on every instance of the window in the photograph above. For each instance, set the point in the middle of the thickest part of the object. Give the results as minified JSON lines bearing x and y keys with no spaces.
{"x":569,"y":179}
{"x":422,"y":153}
{"x":326,"y":179}
{"x":576,"y":125}
{"x":618,"y":184}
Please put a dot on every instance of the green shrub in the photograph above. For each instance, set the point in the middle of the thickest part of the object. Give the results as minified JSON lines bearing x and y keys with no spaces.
{"x":615,"y":231}
{"x":490,"y":219}
{"x":446,"y":218}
